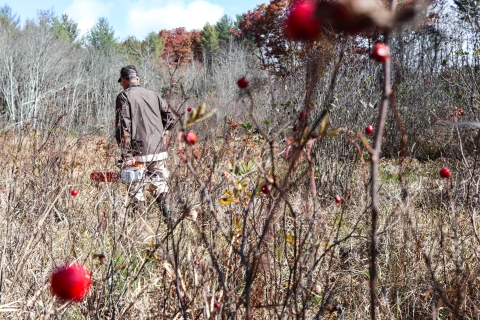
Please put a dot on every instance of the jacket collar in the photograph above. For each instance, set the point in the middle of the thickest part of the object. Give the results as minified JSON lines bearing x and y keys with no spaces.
{"x":135,"y":84}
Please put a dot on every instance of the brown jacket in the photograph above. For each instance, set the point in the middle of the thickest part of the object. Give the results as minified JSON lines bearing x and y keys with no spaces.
{"x":140,"y":121}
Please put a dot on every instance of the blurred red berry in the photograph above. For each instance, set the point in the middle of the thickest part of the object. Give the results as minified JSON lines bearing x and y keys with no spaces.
{"x":445,"y":172}
{"x":301,"y":24}
{"x":369,"y":129}
{"x":380,"y":52}
{"x":302,"y":116}
{"x":242,"y":83}
{"x":217,"y":305}
{"x":74,"y":192}
{"x":191,"y":137}
{"x":338,"y":199}
{"x":71,"y":282}
{"x":189,"y":109}
{"x":295,"y":128}
{"x":266,"y":189}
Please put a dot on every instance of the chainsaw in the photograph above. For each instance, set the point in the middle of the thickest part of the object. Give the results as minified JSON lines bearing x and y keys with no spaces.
{"x":128,"y":174}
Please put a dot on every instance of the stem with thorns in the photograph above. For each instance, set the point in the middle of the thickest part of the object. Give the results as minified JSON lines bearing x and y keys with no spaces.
{"x":375,"y":156}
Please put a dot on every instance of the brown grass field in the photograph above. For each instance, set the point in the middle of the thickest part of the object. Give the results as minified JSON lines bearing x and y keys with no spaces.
{"x":229,"y":249}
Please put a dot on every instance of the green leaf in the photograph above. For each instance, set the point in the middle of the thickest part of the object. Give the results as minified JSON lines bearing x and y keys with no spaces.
{"x":244,"y":183}
{"x":247,"y":126}
{"x":250,"y":166}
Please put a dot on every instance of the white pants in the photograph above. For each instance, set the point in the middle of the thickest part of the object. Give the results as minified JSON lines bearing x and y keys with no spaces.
{"x":156,"y":188}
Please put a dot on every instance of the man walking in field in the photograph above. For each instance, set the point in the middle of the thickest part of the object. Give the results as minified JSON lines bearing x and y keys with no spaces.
{"x":142,"y":117}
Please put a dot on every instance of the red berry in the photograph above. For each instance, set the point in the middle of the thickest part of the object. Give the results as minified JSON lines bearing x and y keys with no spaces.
{"x":301,"y":22}
{"x":265,"y":189}
{"x":74,"y":192}
{"x":338,"y":199}
{"x":381,"y":52}
{"x":191,"y":137}
{"x":71,"y":282}
{"x":189,"y":109}
{"x":369,"y":129}
{"x":242,"y":83}
{"x":445,"y":172}
{"x":295,"y":128}
{"x":217,"y":305}
{"x":24,"y":172}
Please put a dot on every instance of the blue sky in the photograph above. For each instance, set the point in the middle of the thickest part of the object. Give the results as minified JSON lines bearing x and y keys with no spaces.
{"x":136,"y":17}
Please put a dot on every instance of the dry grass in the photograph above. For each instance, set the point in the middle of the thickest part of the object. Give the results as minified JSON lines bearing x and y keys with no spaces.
{"x":284,"y":255}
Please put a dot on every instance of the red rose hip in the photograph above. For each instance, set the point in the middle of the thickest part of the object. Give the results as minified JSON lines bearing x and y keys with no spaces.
{"x":338,"y":199}
{"x":369,"y":129}
{"x":380,"y":52}
{"x":266,"y":189}
{"x":445,"y":172}
{"x":242,"y":83}
{"x":74,"y":192}
{"x":71,"y":282}
{"x":191,"y":138}
{"x":301,"y":23}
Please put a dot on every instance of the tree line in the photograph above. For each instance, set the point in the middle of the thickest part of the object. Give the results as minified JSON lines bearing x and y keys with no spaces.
{"x":48,"y":69}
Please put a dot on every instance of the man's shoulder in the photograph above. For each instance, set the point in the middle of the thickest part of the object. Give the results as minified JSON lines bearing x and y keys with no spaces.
{"x":122,"y":95}
{"x":139,"y":90}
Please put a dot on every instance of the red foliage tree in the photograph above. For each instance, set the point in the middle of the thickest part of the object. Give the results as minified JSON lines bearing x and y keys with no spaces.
{"x":264,"y":26}
{"x":181,"y":45}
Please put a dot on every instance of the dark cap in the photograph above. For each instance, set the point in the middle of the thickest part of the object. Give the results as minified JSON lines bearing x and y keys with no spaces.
{"x":127,"y":72}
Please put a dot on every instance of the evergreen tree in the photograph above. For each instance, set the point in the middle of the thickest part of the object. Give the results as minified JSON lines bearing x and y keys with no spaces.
{"x":7,"y":19}
{"x":223,"y":27}
{"x":65,"y":28}
{"x":137,"y":50}
{"x":209,"y":38}
{"x":102,"y":36}
{"x":153,"y":44}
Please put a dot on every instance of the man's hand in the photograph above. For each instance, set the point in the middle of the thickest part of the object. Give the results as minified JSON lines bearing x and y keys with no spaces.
{"x":129,"y":162}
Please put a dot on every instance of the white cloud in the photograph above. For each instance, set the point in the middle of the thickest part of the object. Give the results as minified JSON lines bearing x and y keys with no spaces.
{"x":194,"y":15}
{"x":87,"y":12}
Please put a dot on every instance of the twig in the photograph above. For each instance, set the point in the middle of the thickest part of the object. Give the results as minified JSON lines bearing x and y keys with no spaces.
{"x":375,"y":156}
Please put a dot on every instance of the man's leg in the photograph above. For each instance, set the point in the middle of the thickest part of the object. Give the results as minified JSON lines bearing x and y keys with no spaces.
{"x":160,"y":188}
{"x":137,"y":199}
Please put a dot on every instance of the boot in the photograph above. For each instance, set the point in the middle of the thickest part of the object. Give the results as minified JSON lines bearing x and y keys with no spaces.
{"x":162,"y":204}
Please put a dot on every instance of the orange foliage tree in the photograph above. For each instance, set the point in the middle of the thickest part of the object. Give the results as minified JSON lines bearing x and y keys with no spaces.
{"x":181,"y":45}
